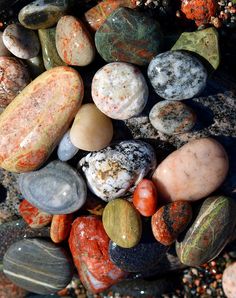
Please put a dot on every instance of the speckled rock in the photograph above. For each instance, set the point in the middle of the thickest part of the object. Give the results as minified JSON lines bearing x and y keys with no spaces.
{"x":177,"y":75}
{"x":56,"y":189}
{"x":113,"y":93}
{"x":9,"y":289}
{"x":172,"y":117}
{"x":129,"y":36}
{"x":50,"y":272}
{"x":228,"y":280}
{"x":3,"y":50}
{"x":21,"y":42}
{"x":66,"y":150}
{"x":60,"y":227}
{"x":114,"y":172}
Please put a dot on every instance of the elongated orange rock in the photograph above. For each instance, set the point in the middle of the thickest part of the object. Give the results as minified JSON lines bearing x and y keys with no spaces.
{"x":33,"y":123}
{"x":60,"y":227}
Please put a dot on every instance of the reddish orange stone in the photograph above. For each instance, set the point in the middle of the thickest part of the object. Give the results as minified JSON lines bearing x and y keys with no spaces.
{"x":60,"y":227}
{"x":145,"y":197}
{"x":89,"y":247}
{"x":34,"y":217}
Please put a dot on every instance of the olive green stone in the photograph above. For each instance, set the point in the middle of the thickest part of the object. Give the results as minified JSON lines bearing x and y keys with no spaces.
{"x":128,"y":36}
{"x":48,"y":43}
{"x":203,"y":42}
{"x":209,"y":233}
{"x":122,"y":223}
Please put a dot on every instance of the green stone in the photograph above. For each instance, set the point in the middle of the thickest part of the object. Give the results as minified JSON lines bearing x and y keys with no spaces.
{"x":122,"y":223}
{"x":209,"y":233}
{"x":203,"y":42}
{"x":48,"y":43}
{"x":128,"y":36}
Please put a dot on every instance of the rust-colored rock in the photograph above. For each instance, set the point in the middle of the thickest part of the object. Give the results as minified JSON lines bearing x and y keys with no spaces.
{"x":60,"y":227}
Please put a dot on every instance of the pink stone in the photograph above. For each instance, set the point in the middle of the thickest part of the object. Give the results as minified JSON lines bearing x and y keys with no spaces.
{"x":229,"y":281}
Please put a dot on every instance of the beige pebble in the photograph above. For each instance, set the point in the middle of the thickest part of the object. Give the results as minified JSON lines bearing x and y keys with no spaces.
{"x":229,"y":281}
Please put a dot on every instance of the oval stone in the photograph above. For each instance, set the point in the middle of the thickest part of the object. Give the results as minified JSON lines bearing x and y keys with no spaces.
{"x":228,"y":281}
{"x":192,"y":172}
{"x":73,"y":42}
{"x":122,"y":223}
{"x":56,"y":189}
{"x":66,"y":150}
{"x":113,"y":93}
{"x":38,"y":266}
{"x":3,"y":50}
{"x":14,"y":77}
{"x":209,"y":233}
{"x":171,"y":220}
{"x":34,"y":122}
{"x":177,"y":75}
{"x":21,"y":42}
{"x":91,"y":129}
{"x":60,"y":227}
{"x":114,"y":171}
{"x":172,"y":117}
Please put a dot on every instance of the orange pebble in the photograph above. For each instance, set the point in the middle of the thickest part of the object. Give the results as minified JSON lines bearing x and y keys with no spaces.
{"x":60,"y":227}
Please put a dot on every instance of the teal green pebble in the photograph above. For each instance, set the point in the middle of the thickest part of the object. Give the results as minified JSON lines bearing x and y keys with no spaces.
{"x":129,"y":36}
{"x":209,"y":233}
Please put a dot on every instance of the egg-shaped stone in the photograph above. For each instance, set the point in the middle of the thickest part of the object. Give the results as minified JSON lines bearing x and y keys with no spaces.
{"x":229,"y":281}
{"x":114,"y":172}
{"x":91,"y":130}
{"x":56,"y":189}
{"x":177,"y":75}
{"x":119,"y":90}
{"x":66,"y":150}
{"x":60,"y":227}
{"x":192,"y":172}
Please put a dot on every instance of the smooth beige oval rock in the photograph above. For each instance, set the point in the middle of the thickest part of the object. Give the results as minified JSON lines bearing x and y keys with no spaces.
{"x":192,"y":172}
{"x":91,"y":129}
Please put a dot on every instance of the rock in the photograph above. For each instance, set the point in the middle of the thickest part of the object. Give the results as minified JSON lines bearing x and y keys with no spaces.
{"x":91,"y":129}
{"x":177,"y":75}
{"x":3,"y":50}
{"x":209,"y":233}
{"x":114,"y":95}
{"x":145,"y":197}
{"x":202,"y":42}
{"x":129,"y":36}
{"x":38,"y":266}
{"x":50,"y":103}
{"x":21,"y":42}
{"x":228,"y":280}
{"x":35,"y":66}
{"x":60,"y":227}
{"x":42,"y":14}
{"x":14,"y":77}
{"x":56,"y":189}
{"x":192,"y":172}
{"x":49,"y":51}
{"x":114,"y":172}
{"x":172,"y":117}
{"x":170,"y":221}
{"x":73,"y":42}
{"x":9,"y":289}
{"x":34,"y":217}
{"x":66,"y":150}
{"x":89,"y":247}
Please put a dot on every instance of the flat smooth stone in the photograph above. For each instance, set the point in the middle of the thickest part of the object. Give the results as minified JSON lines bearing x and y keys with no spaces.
{"x":228,"y":280}
{"x":66,"y":150}
{"x":21,"y":42}
{"x":60,"y":227}
{"x":129,"y":36}
{"x":177,"y":75}
{"x":3,"y":50}
{"x":114,"y":172}
{"x":56,"y":189}
{"x":38,"y":266}
{"x":113,"y":93}
{"x":192,"y":172}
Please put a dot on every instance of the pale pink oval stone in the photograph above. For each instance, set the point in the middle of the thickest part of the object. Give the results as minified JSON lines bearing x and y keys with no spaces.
{"x":229,"y":281}
{"x":192,"y":172}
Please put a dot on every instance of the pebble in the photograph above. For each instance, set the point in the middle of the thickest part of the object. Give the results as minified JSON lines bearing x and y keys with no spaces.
{"x":91,"y":129}
{"x":209,"y":233}
{"x":14,"y":77}
{"x":229,"y":281}
{"x":38,"y":266}
{"x":34,"y":217}
{"x":3,"y":50}
{"x":21,"y":42}
{"x":113,"y":172}
{"x":145,"y":197}
{"x":42,"y":14}
{"x":129,"y":36}
{"x":60,"y":227}
{"x":122,"y":223}
{"x":56,"y":188}
{"x":9,"y":289}
{"x":66,"y":150}
{"x":119,"y":90}
{"x":73,"y":42}
{"x":192,"y":172}
{"x":177,"y":75}
{"x":38,"y":117}
{"x":172,"y":117}
{"x":170,"y":221}
{"x":35,"y":66}
{"x":89,"y":247}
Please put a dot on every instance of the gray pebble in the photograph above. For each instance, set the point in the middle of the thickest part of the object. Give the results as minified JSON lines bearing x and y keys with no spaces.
{"x":66,"y":150}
